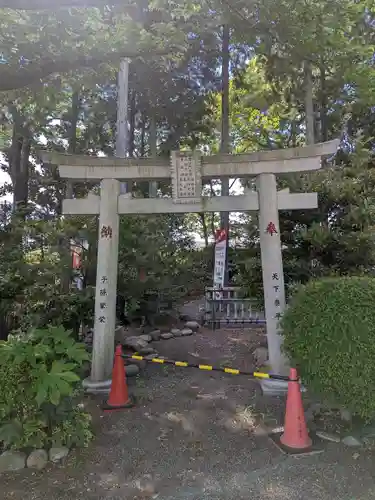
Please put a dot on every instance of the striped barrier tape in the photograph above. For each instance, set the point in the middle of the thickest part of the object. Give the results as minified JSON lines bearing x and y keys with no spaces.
{"x":184,"y":364}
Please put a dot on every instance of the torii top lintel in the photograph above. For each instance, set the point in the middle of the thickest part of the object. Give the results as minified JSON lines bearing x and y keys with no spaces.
{"x":89,"y":168}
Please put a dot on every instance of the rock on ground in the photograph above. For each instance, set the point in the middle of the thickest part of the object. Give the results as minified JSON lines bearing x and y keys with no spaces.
{"x":146,"y":350}
{"x":12,"y":461}
{"x":131,"y":370}
{"x":122,"y":334}
{"x":58,"y":453}
{"x":37,"y":459}
{"x":146,"y":337}
{"x":186,"y":332}
{"x":155,"y":335}
{"x":176,"y":332}
{"x":193,"y":325}
{"x":135,"y":343}
{"x":166,"y":336}
{"x":352,"y":441}
{"x":328,"y":436}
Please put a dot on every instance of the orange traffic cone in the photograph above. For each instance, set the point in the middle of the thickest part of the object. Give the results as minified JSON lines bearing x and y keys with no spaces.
{"x":118,"y":397}
{"x":295,"y":435}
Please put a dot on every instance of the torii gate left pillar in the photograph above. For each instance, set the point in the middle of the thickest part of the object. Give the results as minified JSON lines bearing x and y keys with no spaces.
{"x":106,"y":281}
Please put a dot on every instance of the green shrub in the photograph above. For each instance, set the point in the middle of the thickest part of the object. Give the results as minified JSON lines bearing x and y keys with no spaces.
{"x":39,"y":391}
{"x":329,"y":331}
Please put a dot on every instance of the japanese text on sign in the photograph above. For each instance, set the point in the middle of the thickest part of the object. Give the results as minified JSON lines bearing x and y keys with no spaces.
{"x":186,"y":177}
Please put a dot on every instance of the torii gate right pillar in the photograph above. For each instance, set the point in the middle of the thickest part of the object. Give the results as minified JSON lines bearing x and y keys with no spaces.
{"x":272,"y":269}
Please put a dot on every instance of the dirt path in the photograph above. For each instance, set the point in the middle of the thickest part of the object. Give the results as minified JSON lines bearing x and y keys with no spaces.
{"x":193,"y":436}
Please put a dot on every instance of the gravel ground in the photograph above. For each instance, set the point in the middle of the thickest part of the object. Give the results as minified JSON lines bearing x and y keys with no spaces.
{"x":194,"y":436}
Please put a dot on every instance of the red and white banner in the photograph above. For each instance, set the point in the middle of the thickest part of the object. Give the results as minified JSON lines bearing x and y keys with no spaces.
{"x":220,"y":257}
{"x":76,"y":249}
{"x":76,"y":259}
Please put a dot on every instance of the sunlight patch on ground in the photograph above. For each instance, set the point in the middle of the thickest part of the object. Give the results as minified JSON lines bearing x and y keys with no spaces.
{"x":178,"y":418}
{"x":244,"y":419}
{"x":213,"y":396}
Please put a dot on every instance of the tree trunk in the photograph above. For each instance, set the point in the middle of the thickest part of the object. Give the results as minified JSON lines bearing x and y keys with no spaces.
{"x":15,"y":158}
{"x":72,"y":137}
{"x":323,"y":105}
{"x":23,"y":184}
{"x":309,"y":104}
{"x":202,"y":217}
{"x":153,"y":138}
{"x":122,"y":132}
{"x":224,"y":146}
{"x":64,"y":244}
{"x":143,"y":137}
{"x":132,"y":114}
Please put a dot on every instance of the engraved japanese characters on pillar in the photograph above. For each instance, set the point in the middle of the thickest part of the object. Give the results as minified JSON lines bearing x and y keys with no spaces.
{"x":106,"y":232}
{"x":276,"y":292}
{"x":103,"y":294}
{"x":271,"y":229}
{"x":186,"y":174}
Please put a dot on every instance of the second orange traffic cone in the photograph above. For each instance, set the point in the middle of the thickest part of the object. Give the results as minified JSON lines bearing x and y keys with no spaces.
{"x":296,"y":436}
{"x":118,"y":397}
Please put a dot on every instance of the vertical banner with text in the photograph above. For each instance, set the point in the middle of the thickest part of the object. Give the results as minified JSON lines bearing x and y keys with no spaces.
{"x":76,"y":251}
{"x":220,"y":259}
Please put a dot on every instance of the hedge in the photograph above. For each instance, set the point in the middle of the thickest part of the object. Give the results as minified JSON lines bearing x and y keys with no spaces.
{"x":329,"y":331}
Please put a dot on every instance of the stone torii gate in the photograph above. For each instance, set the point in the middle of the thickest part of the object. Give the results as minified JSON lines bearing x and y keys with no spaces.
{"x":187,"y":170}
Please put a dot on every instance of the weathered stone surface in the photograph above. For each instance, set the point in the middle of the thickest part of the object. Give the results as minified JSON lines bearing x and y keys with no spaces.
{"x":193,"y":325}
{"x":261,"y":355}
{"x":166,"y":336}
{"x":135,"y":343}
{"x":146,"y":338}
{"x":352,"y":441}
{"x":146,"y":350}
{"x":12,"y":461}
{"x":273,"y":387}
{"x":123,"y":333}
{"x":131,"y":370}
{"x":58,"y":453}
{"x":186,"y":332}
{"x":328,"y":436}
{"x":155,"y":335}
{"x":37,"y":459}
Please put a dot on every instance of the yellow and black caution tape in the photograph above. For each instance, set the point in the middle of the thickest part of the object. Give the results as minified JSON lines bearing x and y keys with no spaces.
{"x":184,"y":364}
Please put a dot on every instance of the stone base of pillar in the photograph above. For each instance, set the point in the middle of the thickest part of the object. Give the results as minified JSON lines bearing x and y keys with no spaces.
{"x":103,"y":387}
{"x":275,"y":387}
{"x":91,"y":387}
